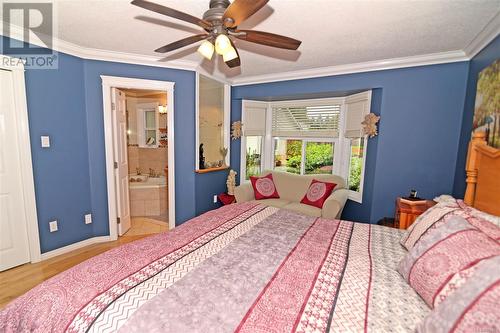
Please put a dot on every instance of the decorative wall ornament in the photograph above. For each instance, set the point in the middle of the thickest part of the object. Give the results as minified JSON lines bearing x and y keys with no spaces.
{"x":236,"y":130}
{"x":231,"y":182}
{"x":201,"y":157}
{"x":370,"y":124}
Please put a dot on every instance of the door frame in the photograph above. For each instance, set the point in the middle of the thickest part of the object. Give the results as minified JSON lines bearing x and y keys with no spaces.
{"x":109,"y":82}
{"x":16,"y":66}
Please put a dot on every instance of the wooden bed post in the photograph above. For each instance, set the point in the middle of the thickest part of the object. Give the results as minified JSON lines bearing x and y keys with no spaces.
{"x":478,"y":138}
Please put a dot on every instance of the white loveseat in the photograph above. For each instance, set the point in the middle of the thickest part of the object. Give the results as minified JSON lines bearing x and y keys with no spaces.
{"x":292,"y":188}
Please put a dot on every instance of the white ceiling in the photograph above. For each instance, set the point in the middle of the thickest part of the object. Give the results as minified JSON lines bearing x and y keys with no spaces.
{"x":333,"y":32}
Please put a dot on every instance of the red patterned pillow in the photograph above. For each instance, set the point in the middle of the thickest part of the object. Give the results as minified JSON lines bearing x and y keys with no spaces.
{"x":445,"y":255}
{"x":264,"y":188}
{"x":317,"y":193}
{"x":473,"y":307}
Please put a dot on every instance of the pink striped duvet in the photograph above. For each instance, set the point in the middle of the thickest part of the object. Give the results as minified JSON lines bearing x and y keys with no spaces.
{"x":241,"y":268}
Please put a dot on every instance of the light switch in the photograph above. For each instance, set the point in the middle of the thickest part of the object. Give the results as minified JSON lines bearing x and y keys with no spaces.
{"x":45,"y":141}
{"x":53,"y":226}
{"x":88,"y":218}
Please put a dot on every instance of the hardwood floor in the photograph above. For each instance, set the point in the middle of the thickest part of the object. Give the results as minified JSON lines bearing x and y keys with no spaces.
{"x":18,"y":280}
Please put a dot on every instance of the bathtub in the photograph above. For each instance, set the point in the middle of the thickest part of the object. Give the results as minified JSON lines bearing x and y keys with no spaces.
{"x":147,"y":182}
{"x":148,"y":197}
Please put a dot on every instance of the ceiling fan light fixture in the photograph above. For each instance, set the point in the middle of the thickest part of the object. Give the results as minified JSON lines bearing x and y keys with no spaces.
{"x":222,"y":44}
{"x":230,"y":54}
{"x":206,"y":49}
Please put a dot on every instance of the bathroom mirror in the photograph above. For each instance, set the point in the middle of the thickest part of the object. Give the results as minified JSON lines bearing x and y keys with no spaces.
{"x":213,"y":125}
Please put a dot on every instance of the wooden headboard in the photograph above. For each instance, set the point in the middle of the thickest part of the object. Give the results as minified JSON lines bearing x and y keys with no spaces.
{"x":483,"y":175}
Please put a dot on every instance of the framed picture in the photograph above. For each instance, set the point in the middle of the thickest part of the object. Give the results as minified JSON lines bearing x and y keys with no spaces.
{"x":487,"y":106}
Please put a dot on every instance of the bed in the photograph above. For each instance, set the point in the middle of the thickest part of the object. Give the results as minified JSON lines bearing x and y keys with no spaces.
{"x":247,"y":267}
{"x":244,"y":267}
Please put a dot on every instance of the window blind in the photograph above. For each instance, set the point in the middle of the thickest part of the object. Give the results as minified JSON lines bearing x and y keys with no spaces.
{"x":356,"y":107}
{"x":254,"y":118}
{"x":306,"y":121}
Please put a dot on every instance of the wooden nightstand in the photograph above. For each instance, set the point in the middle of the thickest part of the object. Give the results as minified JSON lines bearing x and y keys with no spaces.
{"x":407,"y":213}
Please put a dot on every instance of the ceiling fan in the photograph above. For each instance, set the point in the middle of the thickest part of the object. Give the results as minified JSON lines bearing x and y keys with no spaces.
{"x":220,"y":23}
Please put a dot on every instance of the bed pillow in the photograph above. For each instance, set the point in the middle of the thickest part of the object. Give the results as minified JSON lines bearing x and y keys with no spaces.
{"x":473,"y":212}
{"x":447,"y":253}
{"x":473,"y":307}
{"x":441,"y":213}
{"x":426,"y":220}
{"x":264,"y":187}
{"x":317,"y":193}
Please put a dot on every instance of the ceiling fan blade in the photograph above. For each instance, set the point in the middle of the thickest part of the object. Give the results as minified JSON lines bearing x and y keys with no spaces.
{"x":267,"y":38}
{"x":181,"y":43}
{"x":172,"y":13}
{"x":236,"y":62}
{"x":240,"y":10}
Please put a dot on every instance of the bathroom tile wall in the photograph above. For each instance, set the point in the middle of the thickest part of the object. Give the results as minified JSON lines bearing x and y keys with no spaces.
{"x":148,"y":201}
{"x":146,"y":158}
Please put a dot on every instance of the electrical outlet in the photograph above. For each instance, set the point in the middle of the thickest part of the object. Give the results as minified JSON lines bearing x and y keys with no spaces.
{"x":53,"y":226}
{"x":88,"y":218}
{"x":215,"y":198}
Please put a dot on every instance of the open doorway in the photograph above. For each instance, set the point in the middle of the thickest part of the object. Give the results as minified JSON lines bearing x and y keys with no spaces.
{"x":139,"y":155}
{"x":147,"y":152}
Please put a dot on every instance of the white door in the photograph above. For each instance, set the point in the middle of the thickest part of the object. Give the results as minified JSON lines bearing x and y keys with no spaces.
{"x":121,"y":161}
{"x":14,"y":246}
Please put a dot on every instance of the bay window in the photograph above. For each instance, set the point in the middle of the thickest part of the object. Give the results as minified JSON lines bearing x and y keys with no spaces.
{"x":307,"y":137}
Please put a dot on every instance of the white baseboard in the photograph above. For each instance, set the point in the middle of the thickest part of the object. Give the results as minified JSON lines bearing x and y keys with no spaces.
{"x":75,"y":246}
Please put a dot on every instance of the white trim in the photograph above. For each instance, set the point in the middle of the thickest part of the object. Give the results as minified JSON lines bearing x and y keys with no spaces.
{"x":23,"y":136}
{"x":75,"y":246}
{"x":266,"y":138}
{"x":341,"y":157}
{"x":357,"y":196}
{"x":490,"y":31}
{"x":109,"y":82}
{"x":227,"y":118}
{"x":63,"y":46}
{"x":197,"y":122}
{"x":362,"y":67}
{"x":141,"y":124}
{"x":482,"y":39}
{"x":243,"y":159}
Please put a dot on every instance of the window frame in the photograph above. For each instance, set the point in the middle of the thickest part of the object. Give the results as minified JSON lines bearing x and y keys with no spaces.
{"x":226,"y":121}
{"x":243,"y":157}
{"x":335,"y":141}
{"x":353,"y":195}
{"x":342,"y":154}
{"x":142,"y":109}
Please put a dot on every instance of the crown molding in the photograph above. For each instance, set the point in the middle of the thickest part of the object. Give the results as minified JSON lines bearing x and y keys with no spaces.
{"x":63,"y":46}
{"x":483,"y":38}
{"x":362,"y":67}
{"x":489,"y":32}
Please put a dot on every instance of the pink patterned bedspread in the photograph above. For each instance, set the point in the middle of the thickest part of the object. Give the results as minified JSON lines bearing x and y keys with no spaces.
{"x":242,"y":268}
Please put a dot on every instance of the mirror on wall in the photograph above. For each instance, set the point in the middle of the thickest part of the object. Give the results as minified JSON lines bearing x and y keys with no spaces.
{"x":212,"y":125}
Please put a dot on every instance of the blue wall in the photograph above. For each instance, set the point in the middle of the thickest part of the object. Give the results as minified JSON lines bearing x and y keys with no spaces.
{"x":421,"y":110}
{"x":70,"y":176}
{"x":184,"y":134}
{"x":56,"y":107}
{"x":477,"y":64}
{"x":208,"y":185}
{"x":421,"y":114}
